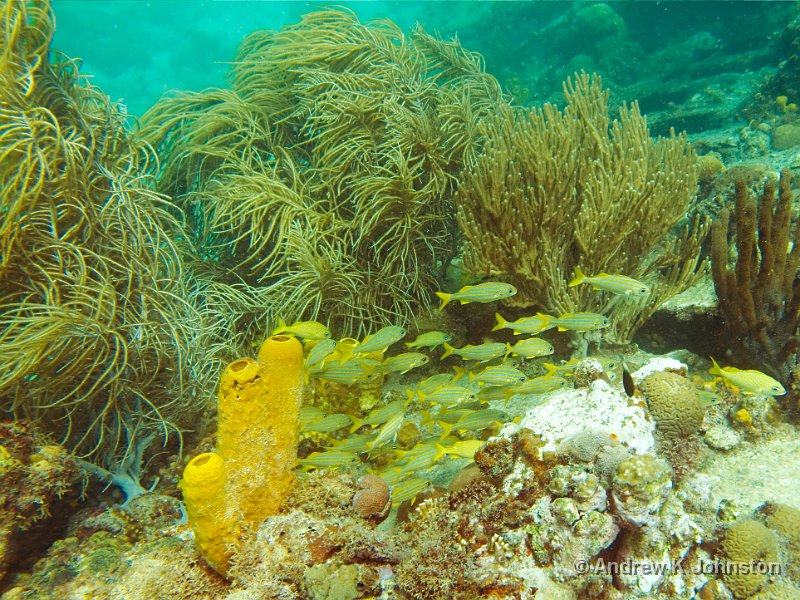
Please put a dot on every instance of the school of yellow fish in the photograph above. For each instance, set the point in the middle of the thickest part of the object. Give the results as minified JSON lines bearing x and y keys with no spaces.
{"x":449,"y":403}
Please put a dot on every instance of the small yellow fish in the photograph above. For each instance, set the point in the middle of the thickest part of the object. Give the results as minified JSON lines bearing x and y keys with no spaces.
{"x":403,"y":363}
{"x":530,"y":348}
{"x":476,"y":420}
{"x":499,"y":375}
{"x":462,"y":449}
{"x":581,"y":321}
{"x":409,"y":489}
{"x":356,"y":443}
{"x":482,"y":353}
{"x":350,"y":372}
{"x":389,"y":430}
{"x":379,"y":416}
{"x":329,"y":424}
{"x":308,"y":330}
{"x":380,"y":340}
{"x":332,"y":459}
{"x":749,"y":381}
{"x":429,"y":339}
{"x":319,"y":352}
{"x":537,"y":385}
{"x":483,"y":292}
{"x":433,"y":382}
{"x":310,"y":415}
{"x":446,"y":395}
{"x":616,"y":284}
{"x":531,"y":325}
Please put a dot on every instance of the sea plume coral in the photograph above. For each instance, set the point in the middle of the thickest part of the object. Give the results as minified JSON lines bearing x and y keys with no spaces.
{"x":95,"y":331}
{"x":558,"y":189}
{"x":324,"y":178}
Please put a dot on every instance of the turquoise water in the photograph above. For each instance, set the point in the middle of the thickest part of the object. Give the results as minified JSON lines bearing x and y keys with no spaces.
{"x":136,"y":50}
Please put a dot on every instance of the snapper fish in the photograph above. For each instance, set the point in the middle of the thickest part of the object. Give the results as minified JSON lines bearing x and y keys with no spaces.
{"x":308,"y":330}
{"x":483,"y":292}
{"x":499,"y":375}
{"x":403,"y":363}
{"x":380,"y":340}
{"x":319,"y":352}
{"x":581,"y":321}
{"x":620,"y":285}
{"x":462,"y":449}
{"x":481,"y":353}
{"x":409,"y":489}
{"x":530,"y":348}
{"x":749,"y":381}
{"x":531,"y":325}
{"x":429,"y":339}
{"x":331,"y":459}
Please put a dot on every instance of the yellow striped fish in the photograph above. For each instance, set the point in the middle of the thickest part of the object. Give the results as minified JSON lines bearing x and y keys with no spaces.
{"x":483,"y":292}
{"x":581,"y":321}
{"x":620,"y":285}
{"x":482,"y":353}
{"x":409,"y":489}
{"x":380,"y":340}
{"x":308,"y":330}
{"x":530,"y":325}
{"x":499,"y":375}
{"x":749,"y":381}
{"x":403,"y":363}
{"x":530,"y":348}
{"x":429,"y":339}
{"x":331,"y":459}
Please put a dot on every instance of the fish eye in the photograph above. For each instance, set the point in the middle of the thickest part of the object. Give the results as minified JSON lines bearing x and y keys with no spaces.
{"x":327,"y":334}
{"x":522,"y":379}
{"x":511,"y":290}
{"x":775,"y":388}
{"x":605,"y":321}
{"x":402,"y":331}
{"x":642,"y":290}
{"x":447,"y":337}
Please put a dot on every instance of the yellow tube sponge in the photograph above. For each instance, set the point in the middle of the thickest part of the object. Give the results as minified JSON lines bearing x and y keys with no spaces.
{"x":203,"y":487}
{"x":252,"y":472}
{"x":259,"y":414}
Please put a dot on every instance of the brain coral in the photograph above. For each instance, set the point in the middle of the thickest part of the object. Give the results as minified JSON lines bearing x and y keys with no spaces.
{"x":785,"y":520}
{"x":748,"y":543}
{"x":674,"y":403}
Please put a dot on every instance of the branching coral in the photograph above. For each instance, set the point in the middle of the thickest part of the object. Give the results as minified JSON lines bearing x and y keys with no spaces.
{"x":324,"y":178}
{"x":95,"y":333}
{"x":759,"y":296}
{"x":555,"y":190}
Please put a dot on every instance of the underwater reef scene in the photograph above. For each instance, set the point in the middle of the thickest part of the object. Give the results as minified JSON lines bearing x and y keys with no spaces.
{"x":397,"y":314}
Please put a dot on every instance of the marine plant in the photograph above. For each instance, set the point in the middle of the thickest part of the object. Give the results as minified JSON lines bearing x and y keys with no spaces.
{"x":320,"y":185}
{"x":554,"y":190}
{"x":758,"y":291}
{"x":95,"y":331}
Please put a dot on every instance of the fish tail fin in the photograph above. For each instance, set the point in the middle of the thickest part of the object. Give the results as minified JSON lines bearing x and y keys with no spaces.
{"x":508,"y":351}
{"x":501,"y":322}
{"x":357,"y":423}
{"x":716,"y":369}
{"x":579,"y":278}
{"x":441,"y":451}
{"x":281,"y":326}
{"x":551,"y":369}
{"x":560,"y":328}
{"x":445,"y":298}
{"x":446,"y":428}
{"x":448,"y":350}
